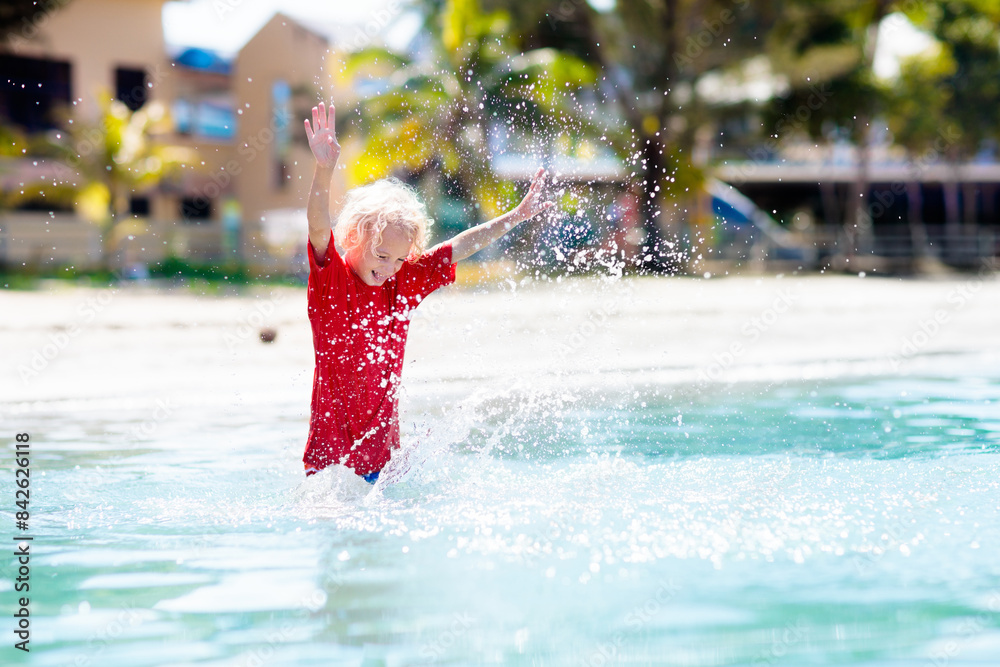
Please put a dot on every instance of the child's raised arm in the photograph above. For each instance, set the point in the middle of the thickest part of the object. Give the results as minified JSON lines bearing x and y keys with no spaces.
{"x":473,"y":240}
{"x":322,"y":137}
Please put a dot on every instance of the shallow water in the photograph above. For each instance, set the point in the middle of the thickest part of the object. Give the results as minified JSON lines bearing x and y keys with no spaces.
{"x":851,"y":519}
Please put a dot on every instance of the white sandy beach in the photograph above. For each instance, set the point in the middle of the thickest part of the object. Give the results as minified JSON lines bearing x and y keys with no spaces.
{"x":137,"y":343}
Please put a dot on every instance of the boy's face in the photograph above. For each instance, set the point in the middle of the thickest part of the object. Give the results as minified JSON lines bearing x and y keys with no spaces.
{"x":376,"y":266}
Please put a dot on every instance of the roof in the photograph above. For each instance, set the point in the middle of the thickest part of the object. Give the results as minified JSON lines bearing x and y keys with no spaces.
{"x":204,"y":60}
{"x":773,"y":172}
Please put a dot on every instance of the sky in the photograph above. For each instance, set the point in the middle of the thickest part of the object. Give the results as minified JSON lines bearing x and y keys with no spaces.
{"x":225,"y":25}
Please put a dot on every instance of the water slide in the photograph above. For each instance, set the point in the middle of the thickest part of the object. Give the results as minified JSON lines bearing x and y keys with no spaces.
{"x":743,"y":221}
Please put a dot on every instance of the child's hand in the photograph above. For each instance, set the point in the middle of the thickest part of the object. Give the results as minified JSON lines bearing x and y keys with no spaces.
{"x":323,"y":136}
{"x":471,"y":241}
{"x":533,"y":202}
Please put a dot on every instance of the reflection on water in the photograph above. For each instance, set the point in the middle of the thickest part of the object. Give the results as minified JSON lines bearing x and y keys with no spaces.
{"x":838,"y":522}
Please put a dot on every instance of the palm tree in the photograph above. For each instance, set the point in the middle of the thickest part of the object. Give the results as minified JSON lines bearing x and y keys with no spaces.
{"x":832,"y":45}
{"x":114,"y":159}
{"x":654,"y":57}
{"x":969,"y":31}
{"x":445,"y":118}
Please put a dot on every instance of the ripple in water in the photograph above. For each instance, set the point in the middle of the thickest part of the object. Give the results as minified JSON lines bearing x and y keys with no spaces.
{"x":726,"y":524}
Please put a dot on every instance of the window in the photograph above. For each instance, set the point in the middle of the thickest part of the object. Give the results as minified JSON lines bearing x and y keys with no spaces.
{"x":37,"y":202}
{"x":196,"y":210}
{"x":139,"y":207}
{"x":281,"y":114}
{"x":131,"y":88}
{"x":32,"y":91}
{"x":282,"y":175}
{"x":206,"y":117}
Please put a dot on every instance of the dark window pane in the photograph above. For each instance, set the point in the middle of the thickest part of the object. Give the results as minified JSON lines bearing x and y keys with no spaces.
{"x":281,"y":174}
{"x":139,"y":206}
{"x":130,"y":87}
{"x":32,"y":90}
{"x":196,"y":209}
{"x":43,"y":205}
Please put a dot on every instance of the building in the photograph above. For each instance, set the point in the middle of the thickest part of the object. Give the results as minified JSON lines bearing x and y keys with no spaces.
{"x":948,"y":211}
{"x":239,"y":120}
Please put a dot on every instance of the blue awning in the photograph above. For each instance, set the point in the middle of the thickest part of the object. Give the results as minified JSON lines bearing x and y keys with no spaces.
{"x":204,"y":60}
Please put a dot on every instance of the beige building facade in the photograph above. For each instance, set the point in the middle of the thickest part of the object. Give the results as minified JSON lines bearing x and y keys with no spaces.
{"x":240,"y":120}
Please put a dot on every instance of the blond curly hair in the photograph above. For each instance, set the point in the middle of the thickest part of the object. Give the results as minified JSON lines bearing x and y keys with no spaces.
{"x":369,"y":209}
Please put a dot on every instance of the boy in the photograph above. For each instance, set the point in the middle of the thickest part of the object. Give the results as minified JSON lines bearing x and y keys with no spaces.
{"x":360,"y":303}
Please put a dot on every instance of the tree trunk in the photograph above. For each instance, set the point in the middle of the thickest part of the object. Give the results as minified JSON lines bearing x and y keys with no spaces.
{"x":969,"y":217}
{"x":119,"y":211}
{"x":915,"y":220}
{"x":654,"y":246}
{"x":653,"y":146}
{"x":650,"y":146}
{"x":858,"y":223}
{"x":952,"y":214}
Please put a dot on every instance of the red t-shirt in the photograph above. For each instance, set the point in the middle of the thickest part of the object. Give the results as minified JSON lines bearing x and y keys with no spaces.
{"x":359,"y":334}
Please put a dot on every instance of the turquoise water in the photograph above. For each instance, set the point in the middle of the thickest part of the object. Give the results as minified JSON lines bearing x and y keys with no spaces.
{"x":844,"y":521}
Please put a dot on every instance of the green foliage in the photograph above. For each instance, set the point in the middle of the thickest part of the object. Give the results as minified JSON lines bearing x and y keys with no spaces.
{"x":32,"y":277}
{"x":13,"y":142}
{"x":827,"y":47}
{"x":647,"y":63}
{"x":815,"y":41}
{"x":119,"y":153}
{"x":820,"y":106}
{"x":918,"y":100}
{"x":436,"y":118}
{"x":180,"y":268}
{"x":39,"y":195}
{"x":969,"y":31}
{"x":682,"y":177}
{"x":655,"y":56}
